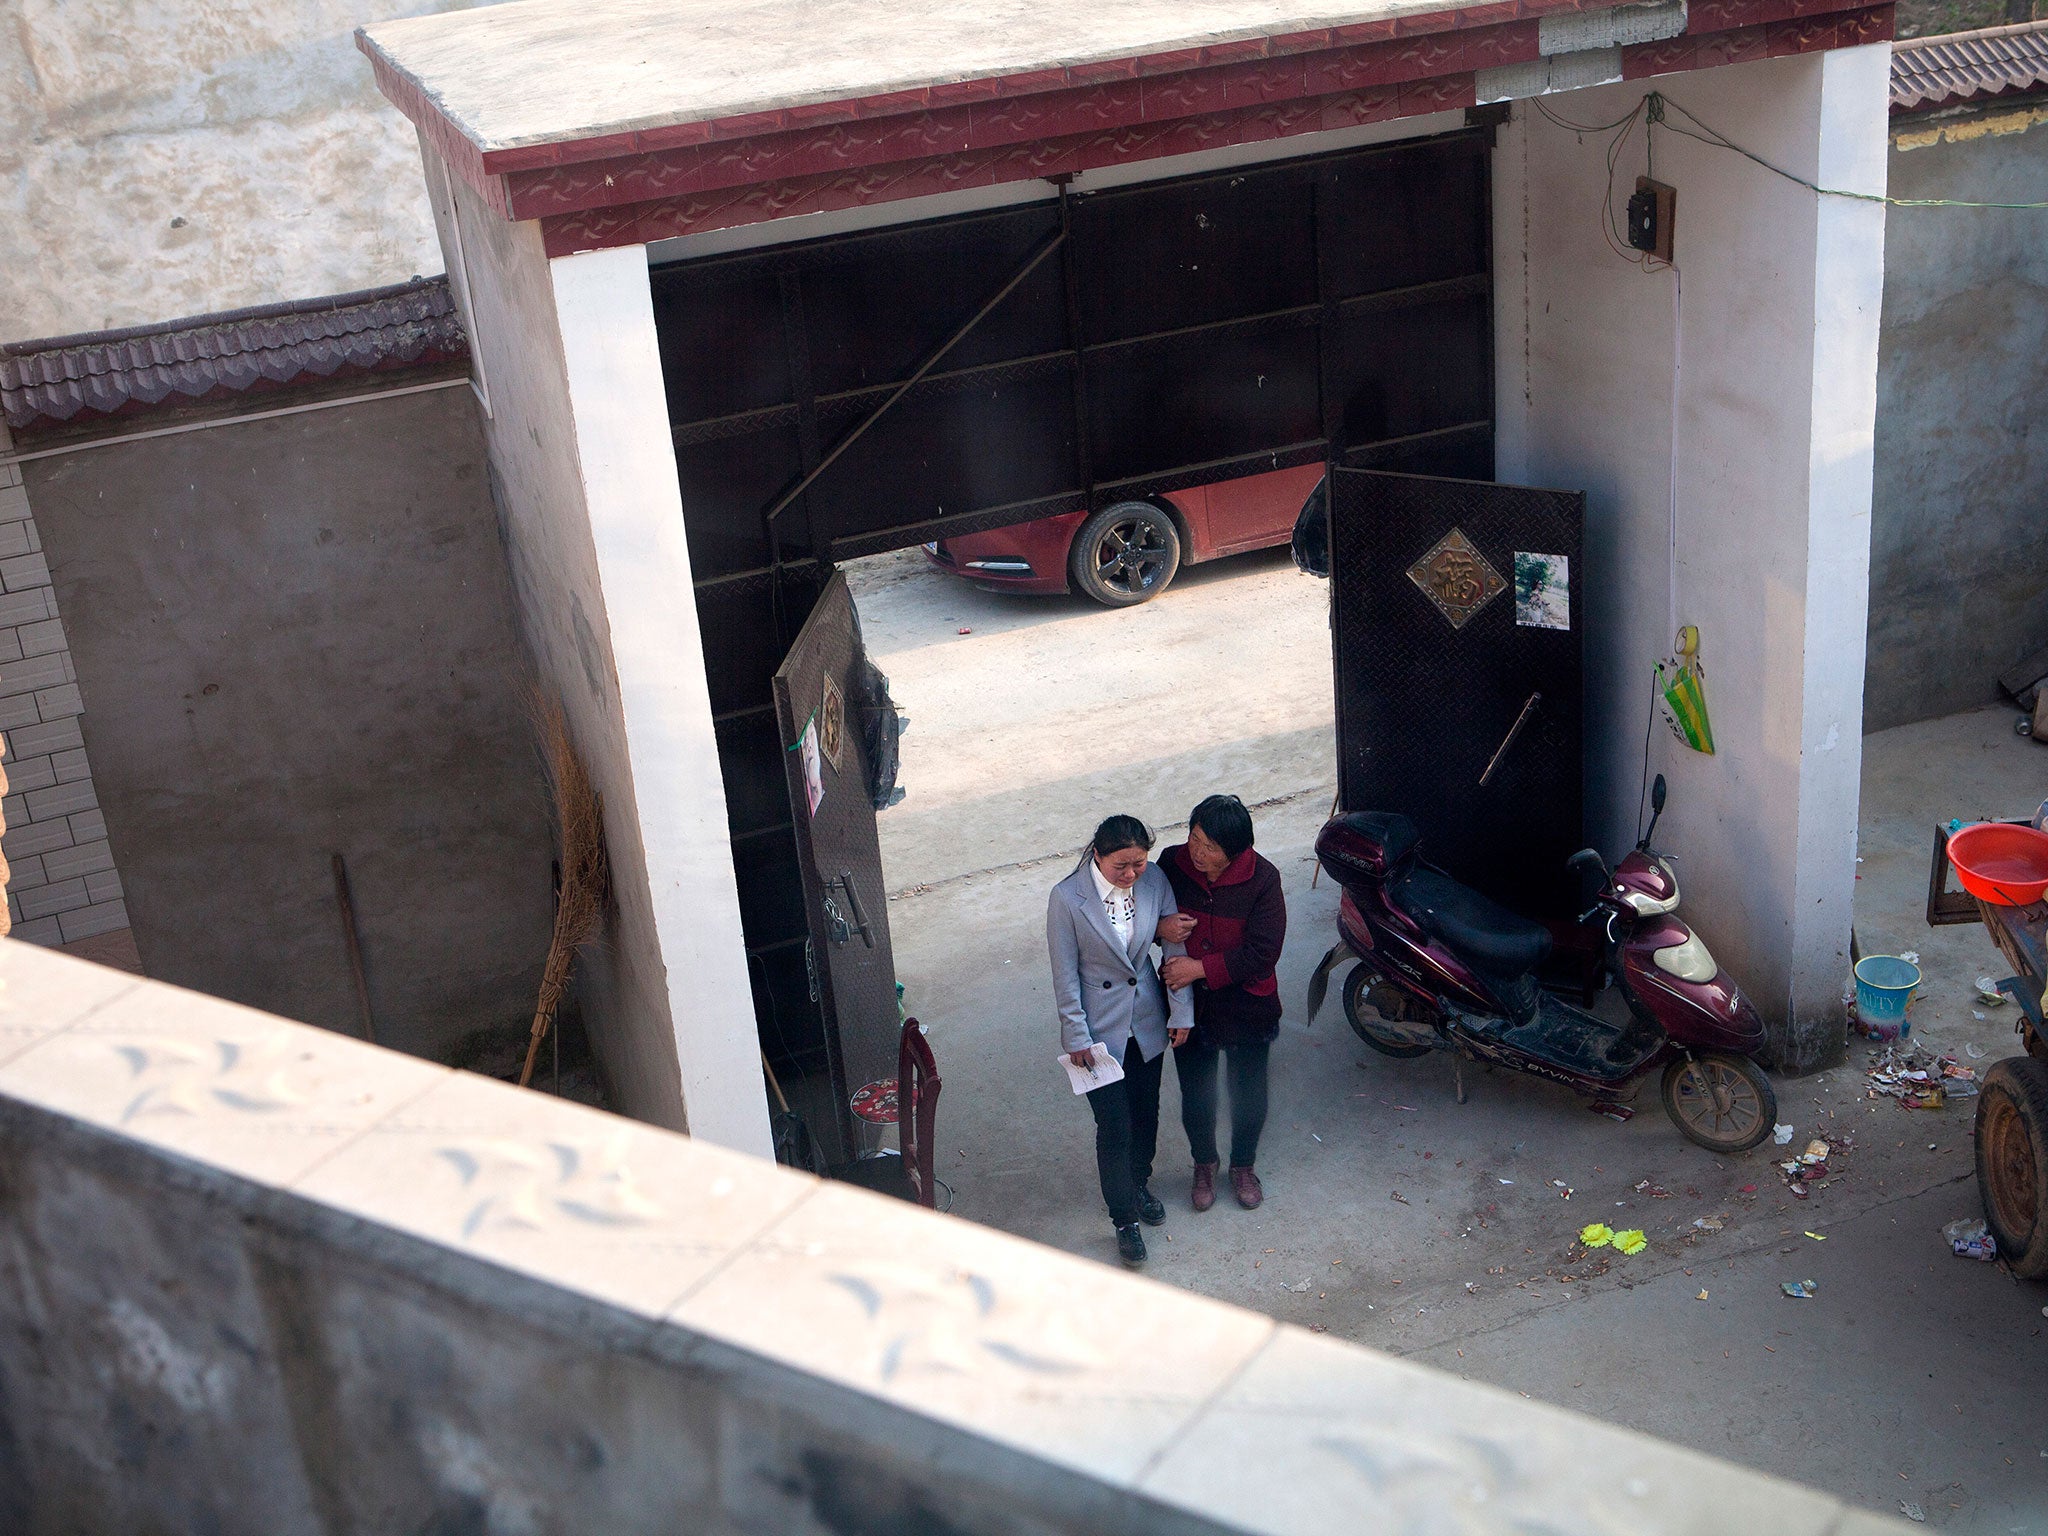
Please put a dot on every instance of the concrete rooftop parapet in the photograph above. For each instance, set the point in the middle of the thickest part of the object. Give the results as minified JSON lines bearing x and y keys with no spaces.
{"x":260,"y":1277}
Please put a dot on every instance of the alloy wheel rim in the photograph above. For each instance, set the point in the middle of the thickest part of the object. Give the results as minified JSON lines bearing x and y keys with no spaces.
{"x":1129,"y":556}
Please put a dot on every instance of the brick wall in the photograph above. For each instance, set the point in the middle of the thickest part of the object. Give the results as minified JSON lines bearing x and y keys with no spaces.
{"x":62,"y":888}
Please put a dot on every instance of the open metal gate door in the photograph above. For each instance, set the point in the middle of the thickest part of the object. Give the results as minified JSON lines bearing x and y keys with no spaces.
{"x":819,"y":690}
{"x":1456,"y":618}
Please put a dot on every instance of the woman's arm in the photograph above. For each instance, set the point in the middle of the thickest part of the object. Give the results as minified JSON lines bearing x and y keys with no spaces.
{"x":1063,"y":945}
{"x":1257,"y":952}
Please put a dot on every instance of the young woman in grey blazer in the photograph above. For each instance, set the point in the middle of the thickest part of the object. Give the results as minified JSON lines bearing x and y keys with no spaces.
{"x":1100,"y":926}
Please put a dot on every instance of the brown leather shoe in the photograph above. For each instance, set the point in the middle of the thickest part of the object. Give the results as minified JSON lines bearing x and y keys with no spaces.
{"x":1245,"y":1185}
{"x":1205,"y":1186}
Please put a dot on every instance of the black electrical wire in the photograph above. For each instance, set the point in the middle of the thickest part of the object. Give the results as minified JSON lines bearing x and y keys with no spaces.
{"x":1656,"y":106}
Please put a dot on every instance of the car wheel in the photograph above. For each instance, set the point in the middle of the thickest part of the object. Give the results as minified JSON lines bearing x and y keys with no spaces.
{"x":1125,"y":554}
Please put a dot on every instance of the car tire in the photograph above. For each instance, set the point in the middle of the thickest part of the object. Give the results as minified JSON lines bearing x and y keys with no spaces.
{"x":1125,"y":554}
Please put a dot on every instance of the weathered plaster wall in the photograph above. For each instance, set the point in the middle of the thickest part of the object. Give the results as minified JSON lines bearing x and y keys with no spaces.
{"x":297,"y":638}
{"x":1959,"y":523}
{"x":1763,"y":389}
{"x":161,"y":158}
{"x":335,"y":1290}
{"x":577,"y":427}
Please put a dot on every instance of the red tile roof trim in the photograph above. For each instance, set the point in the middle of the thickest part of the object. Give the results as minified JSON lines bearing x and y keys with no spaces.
{"x":686,"y":178}
{"x":827,"y":191}
{"x":109,"y":373}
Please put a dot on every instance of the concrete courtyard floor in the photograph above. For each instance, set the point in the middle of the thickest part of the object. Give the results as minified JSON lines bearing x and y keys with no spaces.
{"x":1396,"y":1217}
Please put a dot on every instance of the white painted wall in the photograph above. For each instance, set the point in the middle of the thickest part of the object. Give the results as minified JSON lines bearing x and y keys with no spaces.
{"x":586,"y":484}
{"x":1749,"y":405}
{"x":161,"y":158}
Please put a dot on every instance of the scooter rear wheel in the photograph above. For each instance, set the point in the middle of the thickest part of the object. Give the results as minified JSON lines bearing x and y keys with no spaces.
{"x":1724,"y":1103}
{"x":1382,"y":1035}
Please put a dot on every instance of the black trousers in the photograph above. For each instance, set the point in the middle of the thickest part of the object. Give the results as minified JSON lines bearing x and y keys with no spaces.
{"x":1127,"y":1132}
{"x":1195,"y":1064}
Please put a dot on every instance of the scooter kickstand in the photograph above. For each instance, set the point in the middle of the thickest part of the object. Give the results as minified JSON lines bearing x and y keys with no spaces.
{"x":1458,"y":1073}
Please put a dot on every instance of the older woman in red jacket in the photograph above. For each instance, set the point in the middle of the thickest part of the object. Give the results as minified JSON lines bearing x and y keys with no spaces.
{"x":1233,"y":919}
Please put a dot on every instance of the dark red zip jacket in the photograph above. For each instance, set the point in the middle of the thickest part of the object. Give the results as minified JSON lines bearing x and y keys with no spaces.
{"x":1240,"y":925}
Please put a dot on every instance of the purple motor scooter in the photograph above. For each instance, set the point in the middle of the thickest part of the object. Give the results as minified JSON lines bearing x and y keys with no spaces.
{"x":1441,"y":967}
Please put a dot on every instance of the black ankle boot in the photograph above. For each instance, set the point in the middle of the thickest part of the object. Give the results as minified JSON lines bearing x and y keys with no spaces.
{"x":1130,"y":1245}
{"x":1151,"y":1209}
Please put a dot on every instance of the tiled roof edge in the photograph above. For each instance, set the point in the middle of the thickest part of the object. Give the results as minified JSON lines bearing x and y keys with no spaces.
{"x":1957,"y":68}
{"x":66,"y":378}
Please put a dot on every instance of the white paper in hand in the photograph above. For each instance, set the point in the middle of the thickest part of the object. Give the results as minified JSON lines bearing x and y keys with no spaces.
{"x":1102,"y":1069}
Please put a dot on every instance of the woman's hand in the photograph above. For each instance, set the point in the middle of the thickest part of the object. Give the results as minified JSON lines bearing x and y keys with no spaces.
{"x":1082,"y":1058}
{"x":1178,"y":1037}
{"x":1179,"y":971}
{"x":1175,"y":927}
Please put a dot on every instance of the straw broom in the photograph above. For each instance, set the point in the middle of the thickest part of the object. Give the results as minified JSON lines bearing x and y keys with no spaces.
{"x":579,"y":818}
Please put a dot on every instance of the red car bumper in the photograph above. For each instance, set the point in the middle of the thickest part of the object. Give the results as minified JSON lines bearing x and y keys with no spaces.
{"x":1026,"y":557}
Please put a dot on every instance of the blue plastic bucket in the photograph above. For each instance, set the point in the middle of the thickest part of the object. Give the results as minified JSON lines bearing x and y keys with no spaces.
{"x":1884,"y":988}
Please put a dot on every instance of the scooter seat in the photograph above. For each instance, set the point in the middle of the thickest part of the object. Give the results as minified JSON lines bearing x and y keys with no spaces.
{"x":1482,"y":931}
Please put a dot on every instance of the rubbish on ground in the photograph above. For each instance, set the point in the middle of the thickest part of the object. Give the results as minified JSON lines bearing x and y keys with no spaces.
{"x":1799,"y":1290}
{"x":1620,"y":1114}
{"x":1912,"y":1511}
{"x":1507,"y":1181}
{"x":1816,"y":1237}
{"x":1782,"y":1135}
{"x":1596,"y":1234}
{"x":1977,"y":1013}
{"x":965,"y":630}
{"x":1701,"y":1297}
{"x":1631,"y":1242}
{"x":1747,"y":1189}
{"x":1969,"y":1238}
{"x":1816,"y":1152}
{"x":1914,"y":1077}
{"x":1910,"y":956}
{"x":1709,"y":1223}
{"x":1988,"y":993}
{"x":1299,"y":1290}
{"x":1654,"y":1191}
{"x":1974,"y":1051}
{"x":1397,"y":1195}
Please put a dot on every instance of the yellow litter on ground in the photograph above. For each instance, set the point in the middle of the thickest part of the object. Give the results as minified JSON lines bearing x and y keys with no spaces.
{"x":1597,"y":1235}
{"x":1631,"y":1241}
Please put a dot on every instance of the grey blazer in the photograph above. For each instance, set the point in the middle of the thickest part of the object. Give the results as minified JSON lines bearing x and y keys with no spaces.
{"x":1105,"y":990}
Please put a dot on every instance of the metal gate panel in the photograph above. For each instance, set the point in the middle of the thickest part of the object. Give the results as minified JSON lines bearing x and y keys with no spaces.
{"x":1199,"y":329}
{"x":1454,"y":708}
{"x":844,"y":903}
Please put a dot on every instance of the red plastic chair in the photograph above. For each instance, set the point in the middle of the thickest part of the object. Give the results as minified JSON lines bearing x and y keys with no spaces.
{"x":917,"y":1085}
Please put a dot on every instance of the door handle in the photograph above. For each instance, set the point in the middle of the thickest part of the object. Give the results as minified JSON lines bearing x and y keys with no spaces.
{"x":1508,"y":740}
{"x":860,"y":919}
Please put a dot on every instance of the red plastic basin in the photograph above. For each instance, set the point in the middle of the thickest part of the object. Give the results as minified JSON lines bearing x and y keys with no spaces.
{"x":2002,"y":863}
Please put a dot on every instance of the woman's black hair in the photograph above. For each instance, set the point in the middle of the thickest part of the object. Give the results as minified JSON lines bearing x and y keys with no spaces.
{"x":1226,"y":821}
{"x":1118,"y":833}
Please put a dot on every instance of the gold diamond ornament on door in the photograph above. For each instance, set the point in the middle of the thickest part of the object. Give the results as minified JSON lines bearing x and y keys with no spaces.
{"x":1458,"y":579}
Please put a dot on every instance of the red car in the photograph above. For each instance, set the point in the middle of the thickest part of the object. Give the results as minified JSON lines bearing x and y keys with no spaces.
{"x":1128,"y":551}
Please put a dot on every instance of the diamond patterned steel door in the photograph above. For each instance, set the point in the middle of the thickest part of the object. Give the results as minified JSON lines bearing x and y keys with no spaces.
{"x":846,"y":907}
{"x":1457,"y":614}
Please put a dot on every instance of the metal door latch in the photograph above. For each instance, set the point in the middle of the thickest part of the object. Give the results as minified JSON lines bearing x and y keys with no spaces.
{"x":842,"y":930}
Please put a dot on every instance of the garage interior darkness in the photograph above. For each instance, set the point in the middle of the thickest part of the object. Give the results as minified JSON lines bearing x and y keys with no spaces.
{"x":1086,"y":348}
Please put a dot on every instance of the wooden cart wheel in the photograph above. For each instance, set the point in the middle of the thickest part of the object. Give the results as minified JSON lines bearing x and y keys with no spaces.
{"x":2012,"y":1161}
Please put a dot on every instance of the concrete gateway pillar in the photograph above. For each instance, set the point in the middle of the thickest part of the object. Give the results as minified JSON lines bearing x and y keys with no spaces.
{"x":1720,"y":416}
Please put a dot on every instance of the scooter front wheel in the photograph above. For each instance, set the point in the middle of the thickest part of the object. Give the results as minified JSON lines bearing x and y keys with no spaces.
{"x":1382,"y":1034}
{"x":1722,"y":1102}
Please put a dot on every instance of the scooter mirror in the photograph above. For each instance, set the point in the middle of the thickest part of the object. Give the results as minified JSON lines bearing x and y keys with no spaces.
{"x":1657,"y":794}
